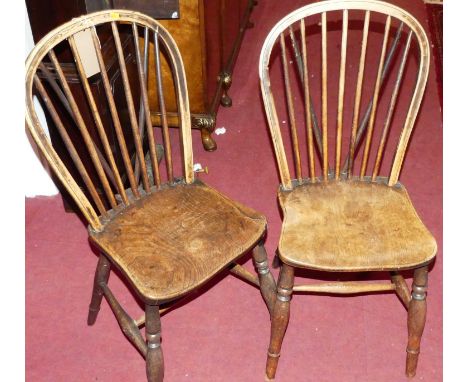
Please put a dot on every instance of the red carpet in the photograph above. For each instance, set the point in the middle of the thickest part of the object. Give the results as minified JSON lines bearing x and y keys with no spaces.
{"x":223,"y":333}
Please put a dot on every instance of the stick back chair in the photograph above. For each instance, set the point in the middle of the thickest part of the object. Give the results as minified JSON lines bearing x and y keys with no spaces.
{"x":340,"y":214}
{"x":167,"y":233}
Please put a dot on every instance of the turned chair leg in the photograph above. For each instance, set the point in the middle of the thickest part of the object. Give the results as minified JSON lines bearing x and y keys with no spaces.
{"x":101,"y":275}
{"x":154,"y":355}
{"x":416,"y":319}
{"x":267,"y":282}
{"x":280,"y":319}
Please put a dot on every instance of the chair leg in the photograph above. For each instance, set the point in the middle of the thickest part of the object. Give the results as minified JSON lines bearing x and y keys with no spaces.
{"x":416,"y":319}
{"x":267,"y":282}
{"x":280,"y":319}
{"x":101,"y":275}
{"x":154,"y":355}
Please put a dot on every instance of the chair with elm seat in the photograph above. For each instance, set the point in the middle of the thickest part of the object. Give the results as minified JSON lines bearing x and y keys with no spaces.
{"x":337,"y":218}
{"x":166,"y":234}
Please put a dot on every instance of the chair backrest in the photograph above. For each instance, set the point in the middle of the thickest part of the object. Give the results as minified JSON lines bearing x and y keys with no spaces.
{"x":68,"y":96}
{"x":384,"y":35}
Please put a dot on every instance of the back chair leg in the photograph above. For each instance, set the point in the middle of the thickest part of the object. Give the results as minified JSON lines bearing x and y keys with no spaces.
{"x":154,"y":355}
{"x":101,"y":275}
{"x":267,"y":282}
{"x":416,"y":319}
{"x":280,"y":319}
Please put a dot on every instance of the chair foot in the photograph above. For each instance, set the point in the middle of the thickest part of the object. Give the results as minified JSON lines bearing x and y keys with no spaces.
{"x":267,"y":282}
{"x":280,"y":319}
{"x":226,"y":101}
{"x":416,"y":319}
{"x":154,"y":355}
{"x":209,"y":144}
{"x":101,"y":275}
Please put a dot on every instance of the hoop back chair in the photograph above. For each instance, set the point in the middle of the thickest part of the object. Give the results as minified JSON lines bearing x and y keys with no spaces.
{"x":166,"y":233}
{"x":341,"y":214}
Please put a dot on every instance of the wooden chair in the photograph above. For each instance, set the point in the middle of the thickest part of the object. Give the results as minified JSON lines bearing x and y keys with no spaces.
{"x":167,"y":235}
{"x":338,"y":218}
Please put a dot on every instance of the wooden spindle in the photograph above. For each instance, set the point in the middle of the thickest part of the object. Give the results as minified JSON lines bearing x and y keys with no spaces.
{"x":341,"y":87}
{"x":97,"y":119}
{"x":114,"y":115}
{"x":83,"y":130}
{"x":391,"y":108}
{"x":357,"y":98}
{"x":375,"y":99}
{"x":53,"y":83}
{"x":300,"y":68}
{"x":147,"y":113}
{"x":141,"y":115}
{"x":388,"y":61}
{"x":307,"y":104}
{"x":131,"y":107}
{"x":70,"y":146}
{"x":162,"y":107}
{"x":324,"y":99}
{"x":64,"y":101}
{"x":290,"y":105}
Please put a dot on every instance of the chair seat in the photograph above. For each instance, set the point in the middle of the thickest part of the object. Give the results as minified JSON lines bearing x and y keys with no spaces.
{"x":352,"y":226}
{"x":173,"y":240}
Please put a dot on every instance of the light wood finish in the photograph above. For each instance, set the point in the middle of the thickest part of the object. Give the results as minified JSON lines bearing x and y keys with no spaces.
{"x":339,"y":132}
{"x":166,"y":236}
{"x":352,"y":226}
{"x":375,"y":99}
{"x":324,"y":99}
{"x":341,"y":222}
{"x":344,"y":287}
{"x":307,"y":104}
{"x":358,"y":94}
{"x":321,"y":8}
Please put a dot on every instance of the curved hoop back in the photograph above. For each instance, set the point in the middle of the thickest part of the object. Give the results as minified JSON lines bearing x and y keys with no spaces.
{"x":127,"y":29}
{"x":318,"y":142}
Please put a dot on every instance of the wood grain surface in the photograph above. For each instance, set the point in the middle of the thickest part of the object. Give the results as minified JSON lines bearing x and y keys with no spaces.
{"x":173,"y":240}
{"x":352,"y":226}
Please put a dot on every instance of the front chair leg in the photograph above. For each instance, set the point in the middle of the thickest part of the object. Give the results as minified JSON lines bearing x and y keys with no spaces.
{"x":101,"y":275}
{"x":280,"y":319}
{"x":154,"y":355}
{"x":416,"y":319}
{"x":267,"y":282}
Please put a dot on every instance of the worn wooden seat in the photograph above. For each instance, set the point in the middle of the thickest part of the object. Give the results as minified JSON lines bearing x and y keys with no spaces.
{"x":172,"y":241}
{"x":166,"y":231}
{"x":352,"y":226}
{"x":340,"y":126}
